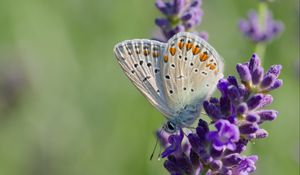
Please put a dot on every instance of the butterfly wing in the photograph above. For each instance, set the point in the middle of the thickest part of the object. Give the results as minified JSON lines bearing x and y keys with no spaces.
{"x":140,"y":59}
{"x":190,"y":71}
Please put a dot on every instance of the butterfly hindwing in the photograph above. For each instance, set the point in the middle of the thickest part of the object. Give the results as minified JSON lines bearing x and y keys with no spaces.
{"x":191,"y":69}
{"x":141,"y":59}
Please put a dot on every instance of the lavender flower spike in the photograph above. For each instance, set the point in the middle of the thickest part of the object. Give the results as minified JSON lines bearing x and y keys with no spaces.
{"x":237,"y":116}
{"x":258,"y":31}
{"x":180,"y":15}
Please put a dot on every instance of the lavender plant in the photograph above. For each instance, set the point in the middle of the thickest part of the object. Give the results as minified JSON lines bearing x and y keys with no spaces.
{"x":260,"y":27}
{"x":218,"y":145}
{"x":260,"y":30}
{"x":180,"y":15}
{"x":237,"y":117}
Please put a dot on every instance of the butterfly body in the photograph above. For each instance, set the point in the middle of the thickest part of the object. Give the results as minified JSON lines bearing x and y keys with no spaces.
{"x":175,"y":77}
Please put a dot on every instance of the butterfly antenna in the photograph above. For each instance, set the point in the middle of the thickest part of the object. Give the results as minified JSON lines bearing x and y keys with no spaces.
{"x":155,"y":146}
{"x":154,"y":149}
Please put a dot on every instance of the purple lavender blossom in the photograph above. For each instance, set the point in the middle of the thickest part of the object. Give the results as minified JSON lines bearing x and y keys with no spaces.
{"x":225,"y":137}
{"x":260,"y":31}
{"x":246,"y":166}
{"x":180,"y":15}
{"x":237,"y":116}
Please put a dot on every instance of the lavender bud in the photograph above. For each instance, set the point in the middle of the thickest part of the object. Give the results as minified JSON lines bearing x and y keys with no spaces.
{"x":277,"y":84}
{"x":232,"y":80}
{"x":251,"y":117}
{"x":213,"y":100}
{"x":202,"y":129}
{"x":233,"y":93}
{"x":261,"y":133}
{"x":186,"y":17}
{"x":212,"y":110}
{"x":248,"y":128}
{"x":275,"y":70}
{"x":194,"y":141}
{"x":267,"y":115}
{"x":242,"y":108}
{"x":161,"y":22}
{"x":195,"y":3}
{"x":254,"y":63}
{"x":244,"y":72}
{"x":233,"y":119}
{"x":254,"y":101}
{"x":267,"y":100}
{"x":223,"y":86}
{"x":257,"y":75}
{"x":231,"y":160}
{"x":268,"y":81}
{"x":162,"y":6}
{"x":177,"y":6}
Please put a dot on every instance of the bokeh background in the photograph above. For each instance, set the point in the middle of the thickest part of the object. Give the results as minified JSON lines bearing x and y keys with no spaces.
{"x":66,"y":108}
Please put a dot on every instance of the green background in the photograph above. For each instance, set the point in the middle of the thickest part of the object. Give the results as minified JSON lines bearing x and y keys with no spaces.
{"x":66,"y":108}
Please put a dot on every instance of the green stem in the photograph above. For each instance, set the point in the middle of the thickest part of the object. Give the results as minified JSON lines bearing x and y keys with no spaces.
{"x":260,"y":50}
{"x":262,"y":13}
{"x":260,"y":47}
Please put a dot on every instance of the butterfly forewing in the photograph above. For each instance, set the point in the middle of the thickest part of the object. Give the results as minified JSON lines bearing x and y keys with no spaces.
{"x":141,"y":61}
{"x":191,"y":69}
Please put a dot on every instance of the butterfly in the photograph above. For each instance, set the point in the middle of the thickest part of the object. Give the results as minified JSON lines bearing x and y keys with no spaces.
{"x":176,"y":77}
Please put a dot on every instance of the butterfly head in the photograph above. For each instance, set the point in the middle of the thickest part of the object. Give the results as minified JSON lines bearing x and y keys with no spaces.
{"x":185,"y":117}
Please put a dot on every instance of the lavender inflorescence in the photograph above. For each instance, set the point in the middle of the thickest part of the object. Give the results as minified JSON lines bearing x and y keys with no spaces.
{"x":180,"y":15}
{"x":260,"y":30}
{"x":237,"y":117}
{"x":238,"y":114}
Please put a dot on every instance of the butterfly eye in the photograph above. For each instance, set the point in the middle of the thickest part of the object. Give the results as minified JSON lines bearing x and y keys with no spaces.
{"x":170,"y":126}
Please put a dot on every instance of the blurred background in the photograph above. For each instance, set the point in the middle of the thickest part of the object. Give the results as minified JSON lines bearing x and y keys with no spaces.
{"x":66,"y":108}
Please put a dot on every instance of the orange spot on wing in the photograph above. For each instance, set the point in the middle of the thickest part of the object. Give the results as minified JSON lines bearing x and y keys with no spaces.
{"x":189,"y":46}
{"x":203,"y":56}
{"x":146,"y":52}
{"x":172,"y":51}
{"x":211,"y":66}
{"x":196,"y":50}
{"x":155,"y":54}
{"x":181,"y":45}
{"x":166,"y":58}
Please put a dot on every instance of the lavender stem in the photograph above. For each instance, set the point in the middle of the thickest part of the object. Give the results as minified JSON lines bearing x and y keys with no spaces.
{"x":260,"y":47}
